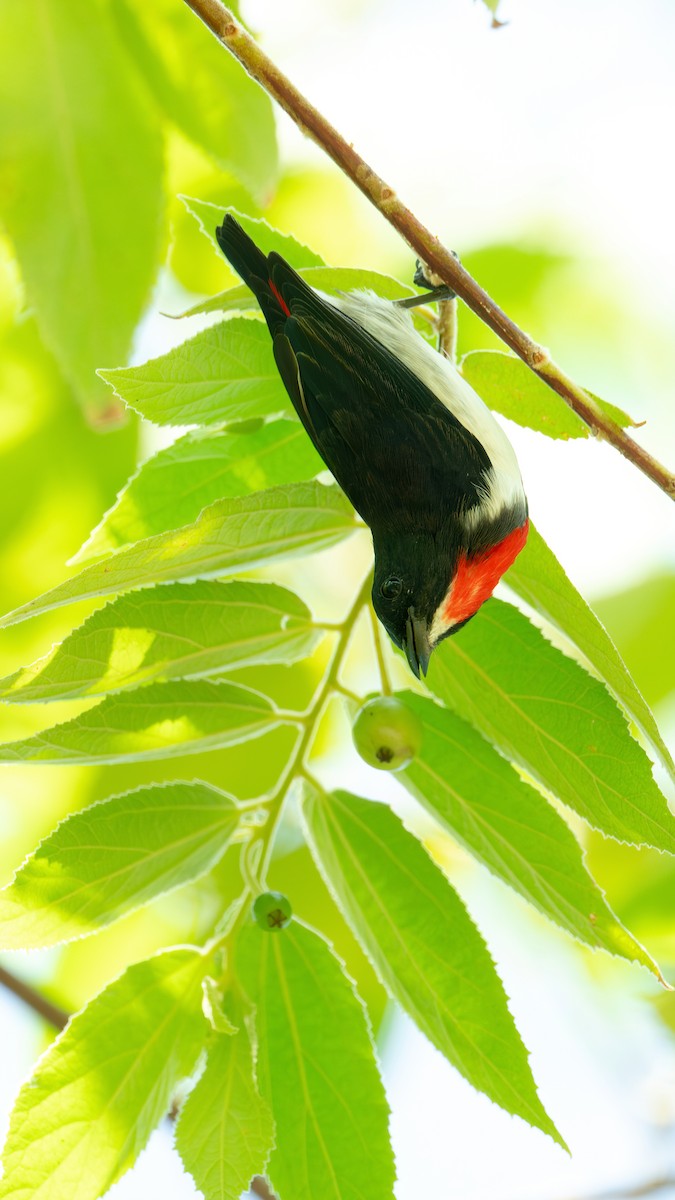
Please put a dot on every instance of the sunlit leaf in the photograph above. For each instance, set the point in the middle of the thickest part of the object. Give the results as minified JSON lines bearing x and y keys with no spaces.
{"x":558,"y":723}
{"x":640,"y":617}
{"x":538,"y":578}
{"x":203,"y":89}
{"x":226,"y":1131}
{"x":87,"y":238}
{"x":225,"y":373}
{"x":528,"y":279}
{"x":317,"y":1069}
{"x":643,"y":884}
{"x":265,"y":237}
{"x":212,"y":1005}
{"x":228,"y":535}
{"x":163,"y":720}
{"x":171,"y":489}
{"x":170,"y":632}
{"x":509,"y":387}
{"x":423,"y":945}
{"x":477,"y":796}
{"x":57,"y":471}
{"x":113,"y":857}
{"x":106,"y":1082}
{"x":331,"y":280}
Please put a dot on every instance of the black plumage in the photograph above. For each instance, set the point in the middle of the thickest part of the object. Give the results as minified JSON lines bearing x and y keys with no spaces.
{"x":394,"y":448}
{"x":409,"y":466}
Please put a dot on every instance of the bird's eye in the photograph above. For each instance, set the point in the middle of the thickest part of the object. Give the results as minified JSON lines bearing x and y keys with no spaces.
{"x":391,"y":588}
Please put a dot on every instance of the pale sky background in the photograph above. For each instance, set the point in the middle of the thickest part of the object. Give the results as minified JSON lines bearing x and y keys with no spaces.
{"x":566,"y":124}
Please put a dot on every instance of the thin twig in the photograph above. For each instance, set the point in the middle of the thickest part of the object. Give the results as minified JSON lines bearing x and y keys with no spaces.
{"x":446,"y":319}
{"x":385,"y":681}
{"x":447,"y":329}
{"x":49,"y":1012}
{"x":223,"y":24}
{"x":348,"y":694}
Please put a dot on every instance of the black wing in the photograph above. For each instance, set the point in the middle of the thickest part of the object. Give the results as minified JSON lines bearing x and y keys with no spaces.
{"x":391,"y":444}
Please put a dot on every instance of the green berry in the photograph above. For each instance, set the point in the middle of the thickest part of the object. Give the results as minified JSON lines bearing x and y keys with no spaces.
{"x":387,"y":734}
{"x":272,"y":911}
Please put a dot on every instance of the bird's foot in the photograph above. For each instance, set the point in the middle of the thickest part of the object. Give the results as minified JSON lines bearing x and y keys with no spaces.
{"x":425,"y":278}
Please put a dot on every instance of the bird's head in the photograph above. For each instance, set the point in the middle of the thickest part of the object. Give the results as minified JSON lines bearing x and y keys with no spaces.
{"x":428,"y":585}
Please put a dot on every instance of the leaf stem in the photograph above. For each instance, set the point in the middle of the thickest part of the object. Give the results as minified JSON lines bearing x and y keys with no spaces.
{"x":304,"y":744}
{"x":381,"y":661}
{"x":436,"y":257}
{"x":258,"y":852}
{"x":341,"y":690}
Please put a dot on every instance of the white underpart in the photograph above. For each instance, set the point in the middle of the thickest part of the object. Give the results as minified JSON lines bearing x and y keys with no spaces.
{"x":393,"y":327}
{"x":440,"y":624}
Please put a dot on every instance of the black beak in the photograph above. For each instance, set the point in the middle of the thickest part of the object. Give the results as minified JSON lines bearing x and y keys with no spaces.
{"x":417,"y":648}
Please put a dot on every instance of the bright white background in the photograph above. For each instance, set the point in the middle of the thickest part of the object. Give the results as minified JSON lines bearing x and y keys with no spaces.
{"x":560,"y":124}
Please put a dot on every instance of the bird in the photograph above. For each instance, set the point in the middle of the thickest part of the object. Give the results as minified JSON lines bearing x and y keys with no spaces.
{"x":416,"y":451}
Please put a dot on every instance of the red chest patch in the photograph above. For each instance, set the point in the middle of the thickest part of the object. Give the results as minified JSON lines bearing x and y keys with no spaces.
{"x":476,"y":578}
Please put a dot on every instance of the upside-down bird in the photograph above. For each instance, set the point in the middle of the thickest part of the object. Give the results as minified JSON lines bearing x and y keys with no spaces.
{"x":410,"y":442}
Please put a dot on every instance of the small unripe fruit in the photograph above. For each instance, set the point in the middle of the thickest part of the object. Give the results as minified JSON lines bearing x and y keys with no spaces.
{"x":386,"y":733}
{"x":272,"y":911}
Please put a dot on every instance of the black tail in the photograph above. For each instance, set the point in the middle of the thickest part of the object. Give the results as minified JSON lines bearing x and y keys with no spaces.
{"x":273,"y":282}
{"x":248,"y":261}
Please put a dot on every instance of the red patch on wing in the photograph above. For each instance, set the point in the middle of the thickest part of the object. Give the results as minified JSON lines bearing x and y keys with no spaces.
{"x":476,"y":578}
{"x":279,"y":298}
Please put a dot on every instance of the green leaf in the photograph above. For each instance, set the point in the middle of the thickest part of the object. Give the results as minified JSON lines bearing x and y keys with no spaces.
{"x":172,"y":488}
{"x":164,"y":720}
{"x":170,"y":632}
{"x":509,"y":387}
{"x":640,"y":617}
{"x":87,"y":238}
{"x":203,"y":89}
{"x":212,"y":1006}
{"x":331,"y":280}
{"x":106,"y":1082}
{"x":225,"y":373}
{"x":226,"y":1131}
{"x":230,"y":534}
{"x":423,"y":945}
{"x":555,"y":721}
{"x":113,"y":857}
{"x":265,"y":237}
{"x":477,"y":796}
{"x":539,"y":579}
{"x":317,"y":1069}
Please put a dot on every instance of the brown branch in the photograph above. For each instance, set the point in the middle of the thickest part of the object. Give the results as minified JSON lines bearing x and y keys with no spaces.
{"x":223,"y":24}
{"x":23,"y":991}
{"x":260,"y":1187}
{"x":648,"y":1187}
